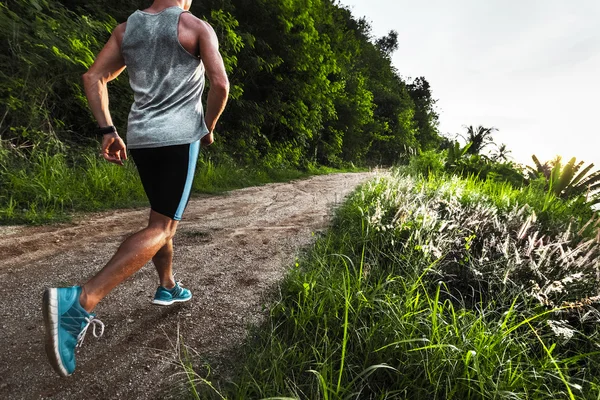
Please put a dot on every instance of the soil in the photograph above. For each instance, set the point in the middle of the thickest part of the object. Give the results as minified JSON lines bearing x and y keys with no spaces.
{"x":231,"y":250}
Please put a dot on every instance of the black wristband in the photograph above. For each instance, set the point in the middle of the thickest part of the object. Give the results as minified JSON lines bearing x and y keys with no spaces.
{"x":105,"y":130}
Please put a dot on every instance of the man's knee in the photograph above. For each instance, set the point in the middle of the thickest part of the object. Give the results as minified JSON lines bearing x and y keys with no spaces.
{"x":170,"y":231}
{"x":167,"y":225}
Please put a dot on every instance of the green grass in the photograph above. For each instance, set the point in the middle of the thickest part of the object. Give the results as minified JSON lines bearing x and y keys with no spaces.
{"x":52,"y":187}
{"x":214,"y":177}
{"x":47,"y":188}
{"x":395,"y":301}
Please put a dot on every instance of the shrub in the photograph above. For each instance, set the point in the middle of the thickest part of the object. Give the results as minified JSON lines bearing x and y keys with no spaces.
{"x":427,"y":162}
{"x":481,"y":238}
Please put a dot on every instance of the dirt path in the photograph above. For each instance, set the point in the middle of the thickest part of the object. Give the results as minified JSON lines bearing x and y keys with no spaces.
{"x":230,"y":250}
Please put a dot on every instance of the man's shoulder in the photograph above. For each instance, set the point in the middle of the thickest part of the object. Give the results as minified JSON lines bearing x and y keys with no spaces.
{"x":190,"y":21}
{"x":119,"y":31}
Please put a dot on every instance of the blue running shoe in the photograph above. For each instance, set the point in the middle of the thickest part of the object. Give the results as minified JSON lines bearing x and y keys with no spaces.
{"x":66,"y":325}
{"x":166,"y":297}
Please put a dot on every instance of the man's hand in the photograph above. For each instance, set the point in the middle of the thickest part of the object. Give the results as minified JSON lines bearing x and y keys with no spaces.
{"x":207,"y":140}
{"x":113,"y":148}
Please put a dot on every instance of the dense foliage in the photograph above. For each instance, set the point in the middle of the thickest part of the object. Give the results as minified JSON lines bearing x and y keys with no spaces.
{"x":310,"y":86}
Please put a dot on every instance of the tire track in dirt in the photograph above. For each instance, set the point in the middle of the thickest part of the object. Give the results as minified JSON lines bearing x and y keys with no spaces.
{"x":230,"y":250}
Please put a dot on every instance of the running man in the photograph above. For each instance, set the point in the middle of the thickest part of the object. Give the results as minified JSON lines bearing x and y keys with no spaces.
{"x":167,"y":52}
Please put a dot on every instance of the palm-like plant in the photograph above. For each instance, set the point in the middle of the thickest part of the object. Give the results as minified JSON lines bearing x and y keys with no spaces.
{"x":501,"y":154}
{"x":569,"y":181}
{"x":544,"y":169}
{"x":480,"y":137}
{"x":456,"y":153}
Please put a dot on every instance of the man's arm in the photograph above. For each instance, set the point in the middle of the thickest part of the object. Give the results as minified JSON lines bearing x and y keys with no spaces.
{"x":107,"y":66}
{"x":219,"y":83}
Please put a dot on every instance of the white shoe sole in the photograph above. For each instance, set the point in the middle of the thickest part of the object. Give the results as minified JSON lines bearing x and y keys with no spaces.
{"x":50,"y":311}
{"x":168,"y":303}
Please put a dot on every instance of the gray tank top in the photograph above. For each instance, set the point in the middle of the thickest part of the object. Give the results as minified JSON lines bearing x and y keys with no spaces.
{"x":167,"y":82}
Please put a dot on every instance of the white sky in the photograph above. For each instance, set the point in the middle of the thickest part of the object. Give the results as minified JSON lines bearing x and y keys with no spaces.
{"x":530,"y":68}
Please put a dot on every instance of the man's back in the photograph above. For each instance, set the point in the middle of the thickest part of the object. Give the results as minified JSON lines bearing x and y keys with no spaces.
{"x":167,"y":81}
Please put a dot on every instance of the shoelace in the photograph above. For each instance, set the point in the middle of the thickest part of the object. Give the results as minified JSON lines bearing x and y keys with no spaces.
{"x":177,"y":286}
{"x":176,"y":291}
{"x":91,"y":320}
{"x":178,"y":281}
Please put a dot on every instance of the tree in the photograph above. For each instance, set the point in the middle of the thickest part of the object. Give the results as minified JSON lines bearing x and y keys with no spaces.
{"x":480,"y":138}
{"x":425,"y":115}
{"x":311,"y":85}
{"x":501,"y":153}
{"x":388,"y":44}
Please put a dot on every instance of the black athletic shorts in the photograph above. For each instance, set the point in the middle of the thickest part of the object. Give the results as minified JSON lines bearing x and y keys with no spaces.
{"x":167,"y":174}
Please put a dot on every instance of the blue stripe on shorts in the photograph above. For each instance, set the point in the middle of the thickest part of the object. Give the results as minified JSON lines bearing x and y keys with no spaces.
{"x":193,"y":158}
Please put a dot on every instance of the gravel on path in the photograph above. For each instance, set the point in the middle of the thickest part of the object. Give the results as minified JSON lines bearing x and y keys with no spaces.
{"x":230,"y":250}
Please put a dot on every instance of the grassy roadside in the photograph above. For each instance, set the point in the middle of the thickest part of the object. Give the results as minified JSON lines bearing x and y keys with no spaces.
{"x":50,"y":188}
{"x":438,"y":288}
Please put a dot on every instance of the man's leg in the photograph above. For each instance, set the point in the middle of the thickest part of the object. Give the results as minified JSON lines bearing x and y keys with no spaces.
{"x":169,"y":291}
{"x":132,"y":255}
{"x":166,"y":174}
{"x":163,"y":261}
{"x":67,"y":310}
